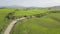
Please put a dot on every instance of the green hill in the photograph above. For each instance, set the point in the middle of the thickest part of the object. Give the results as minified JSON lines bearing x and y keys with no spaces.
{"x":47,"y":24}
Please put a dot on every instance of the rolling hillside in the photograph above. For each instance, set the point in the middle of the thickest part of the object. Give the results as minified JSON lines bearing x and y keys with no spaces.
{"x":47,"y":24}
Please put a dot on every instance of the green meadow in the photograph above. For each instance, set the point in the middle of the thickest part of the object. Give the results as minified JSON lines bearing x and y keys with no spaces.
{"x":47,"y":24}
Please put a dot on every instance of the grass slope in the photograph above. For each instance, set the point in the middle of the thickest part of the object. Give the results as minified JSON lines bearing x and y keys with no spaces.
{"x":49,"y":24}
{"x":19,"y":12}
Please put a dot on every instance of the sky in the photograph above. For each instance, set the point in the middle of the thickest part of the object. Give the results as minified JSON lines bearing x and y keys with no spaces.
{"x":30,"y":3}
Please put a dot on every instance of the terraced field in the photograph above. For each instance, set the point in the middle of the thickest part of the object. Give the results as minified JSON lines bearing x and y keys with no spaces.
{"x":20,"y":12}
{"x":48,"y":24}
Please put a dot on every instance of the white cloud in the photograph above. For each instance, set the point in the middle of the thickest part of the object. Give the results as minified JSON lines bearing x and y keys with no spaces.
{"x":28,"y":3}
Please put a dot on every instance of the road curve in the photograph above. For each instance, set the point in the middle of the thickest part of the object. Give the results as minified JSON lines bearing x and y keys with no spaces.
{"x":11,"y":25}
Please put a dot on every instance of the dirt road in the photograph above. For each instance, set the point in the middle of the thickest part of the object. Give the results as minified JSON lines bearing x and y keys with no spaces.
{"x":11,"y":25}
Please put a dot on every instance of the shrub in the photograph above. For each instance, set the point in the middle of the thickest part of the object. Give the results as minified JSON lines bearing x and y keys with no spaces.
{"x":10,"y":15}
{"x":25,"y":16}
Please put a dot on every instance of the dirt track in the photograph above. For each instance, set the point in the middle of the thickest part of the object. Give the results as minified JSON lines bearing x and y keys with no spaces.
{"x":11,"y":25}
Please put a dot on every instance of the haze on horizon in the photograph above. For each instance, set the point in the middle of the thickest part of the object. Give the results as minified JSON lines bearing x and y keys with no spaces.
{"x":30,"y":3}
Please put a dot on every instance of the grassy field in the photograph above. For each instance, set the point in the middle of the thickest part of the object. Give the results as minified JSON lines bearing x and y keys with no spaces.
{"x":48,"y":24}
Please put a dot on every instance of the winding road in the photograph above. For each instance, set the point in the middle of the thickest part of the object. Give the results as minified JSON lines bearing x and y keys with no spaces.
{"x":11,"y":25}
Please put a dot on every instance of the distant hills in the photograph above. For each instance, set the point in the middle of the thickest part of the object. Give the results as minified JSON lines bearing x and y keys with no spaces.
{"x":54,"y":7}
{"x":58,"y":7}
